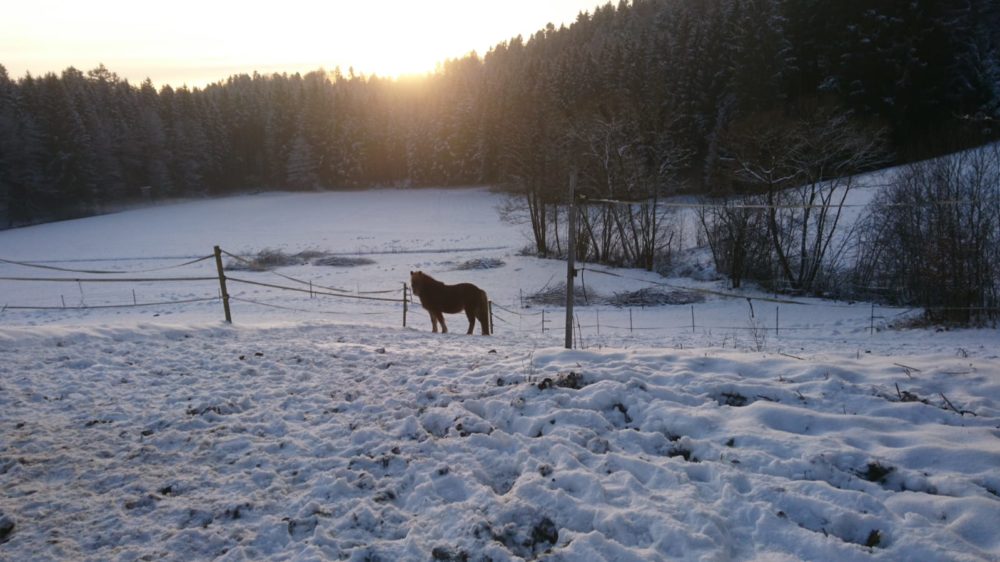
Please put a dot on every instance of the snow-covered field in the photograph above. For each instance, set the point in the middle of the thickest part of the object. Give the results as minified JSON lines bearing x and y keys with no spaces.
{"x":318,"y":427}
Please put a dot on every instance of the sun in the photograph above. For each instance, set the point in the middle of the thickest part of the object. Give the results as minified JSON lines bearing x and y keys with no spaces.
{"x":387,"y":60}
{"x":407,"y":40}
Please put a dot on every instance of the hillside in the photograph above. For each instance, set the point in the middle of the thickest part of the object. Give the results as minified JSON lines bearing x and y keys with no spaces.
{"x":317,"y":427}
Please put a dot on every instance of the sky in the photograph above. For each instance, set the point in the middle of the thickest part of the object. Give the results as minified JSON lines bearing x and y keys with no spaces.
{"x":200,"y":42}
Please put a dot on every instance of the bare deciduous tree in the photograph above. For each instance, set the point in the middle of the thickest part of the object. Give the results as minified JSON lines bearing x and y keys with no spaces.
{"x":736,"y":234}
{"x":933,"y":237}
{"x":804,"y":169}
{"x":628,"y":175}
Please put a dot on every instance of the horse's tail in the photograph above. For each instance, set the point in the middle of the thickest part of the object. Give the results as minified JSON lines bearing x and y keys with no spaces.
{"x":484,"y":313}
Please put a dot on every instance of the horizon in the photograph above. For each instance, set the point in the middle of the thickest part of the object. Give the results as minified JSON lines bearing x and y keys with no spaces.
{"x":388,"y":38}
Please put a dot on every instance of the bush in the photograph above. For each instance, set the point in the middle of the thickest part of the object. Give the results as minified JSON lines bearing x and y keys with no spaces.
{"x":932,"y":239}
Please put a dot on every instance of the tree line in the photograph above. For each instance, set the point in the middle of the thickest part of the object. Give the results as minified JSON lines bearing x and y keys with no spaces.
{"x":641,"y":100}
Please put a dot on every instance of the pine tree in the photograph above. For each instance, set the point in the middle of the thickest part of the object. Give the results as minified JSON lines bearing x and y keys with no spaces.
{"x":301,"y":169}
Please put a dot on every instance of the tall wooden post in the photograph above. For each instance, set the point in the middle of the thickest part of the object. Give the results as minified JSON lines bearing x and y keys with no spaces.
{"x":405,"y":303}
{"x":222,"y":284}
{"x":571,"y":258}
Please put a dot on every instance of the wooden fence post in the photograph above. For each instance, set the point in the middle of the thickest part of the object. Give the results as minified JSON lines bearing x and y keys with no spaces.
{"x":405,"y":303}
{"x":571,"y":258}
{"x":579,"y":333}
{"x":222,"y":284}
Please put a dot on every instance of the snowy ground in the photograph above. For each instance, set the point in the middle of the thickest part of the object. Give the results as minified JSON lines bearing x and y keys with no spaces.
{"x":319,"y":428}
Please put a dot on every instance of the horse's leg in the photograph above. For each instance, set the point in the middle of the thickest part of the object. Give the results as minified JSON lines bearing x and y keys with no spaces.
{"x":472,"y":319}
{"x":484,"y":322}
{"x":444,"y":327}
{"x":483,"y":313}
{"x":434,"y":321}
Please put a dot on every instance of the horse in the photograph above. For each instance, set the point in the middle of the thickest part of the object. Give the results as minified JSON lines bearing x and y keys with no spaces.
{"x":438,"y":298}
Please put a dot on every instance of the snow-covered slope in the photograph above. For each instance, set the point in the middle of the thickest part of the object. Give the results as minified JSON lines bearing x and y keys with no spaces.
{"x":319,"y":428}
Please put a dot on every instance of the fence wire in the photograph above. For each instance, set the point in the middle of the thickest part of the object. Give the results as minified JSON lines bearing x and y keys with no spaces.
{"x":307,"y":311}
{"x":309,"y":283}
{"x":515,"y":312}
{"x":722,"y":294}
{"x":103,"y":271}
{"x":103,"y":306}
{"x":107,"y":280}
{"x":309,"y":291}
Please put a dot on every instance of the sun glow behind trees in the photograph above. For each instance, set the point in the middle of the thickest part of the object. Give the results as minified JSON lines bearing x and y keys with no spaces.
{"x":197,"y":43}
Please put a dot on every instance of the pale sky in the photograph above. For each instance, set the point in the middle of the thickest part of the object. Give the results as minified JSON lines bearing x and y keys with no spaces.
{"x":191,"y":42}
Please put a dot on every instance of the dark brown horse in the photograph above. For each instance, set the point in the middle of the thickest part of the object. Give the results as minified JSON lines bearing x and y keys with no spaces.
{"x":439,"y":298}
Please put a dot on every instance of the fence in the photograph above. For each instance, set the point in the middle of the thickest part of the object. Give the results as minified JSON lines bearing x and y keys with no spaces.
{"x":79,"y":281}
{"x":221,"y":276}
{"x":758,"y":323}
{"x":627,"y":319}
{"x":544,"y":318}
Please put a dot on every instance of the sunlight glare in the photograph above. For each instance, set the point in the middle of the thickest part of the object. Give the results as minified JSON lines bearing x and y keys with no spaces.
{"x":197,"y":42}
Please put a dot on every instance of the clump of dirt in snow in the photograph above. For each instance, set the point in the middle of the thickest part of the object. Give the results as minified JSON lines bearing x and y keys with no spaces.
{"x":267,"y":259}
{"x":653,"y":296}
{"x":480,"y":263}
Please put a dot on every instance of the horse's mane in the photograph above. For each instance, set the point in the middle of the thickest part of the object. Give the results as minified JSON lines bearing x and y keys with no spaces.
{"x":421,"y":281}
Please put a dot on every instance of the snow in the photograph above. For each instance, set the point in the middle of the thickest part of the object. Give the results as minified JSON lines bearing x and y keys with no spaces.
{"x":317,"y":428}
